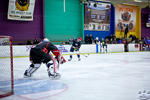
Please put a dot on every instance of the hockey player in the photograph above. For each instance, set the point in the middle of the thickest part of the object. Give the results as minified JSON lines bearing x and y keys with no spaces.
{"x":98,"y":44}
{"x":104,"y":46}
{"x":40,"y":54}
{"x":75,"y":47}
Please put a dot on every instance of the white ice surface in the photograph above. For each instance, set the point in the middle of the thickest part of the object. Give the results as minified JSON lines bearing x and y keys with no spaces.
{"x":116,"y":76}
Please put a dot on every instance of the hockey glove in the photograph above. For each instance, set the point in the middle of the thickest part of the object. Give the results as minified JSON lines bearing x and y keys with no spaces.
{"x":77,"y":49}
{"x":56,"y":52}
{"x":58,"y":56}
{"x":61,"y":60}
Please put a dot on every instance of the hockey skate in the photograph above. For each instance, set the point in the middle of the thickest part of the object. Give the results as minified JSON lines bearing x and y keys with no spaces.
{"x":79,"y":59}
{"x":54,"y":76}
{"x":69,"y":59}
{"x":27,"y":74}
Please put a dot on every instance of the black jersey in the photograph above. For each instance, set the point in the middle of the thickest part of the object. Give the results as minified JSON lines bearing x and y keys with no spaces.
{"x":76,"y":44}
{"x":40,"y":53}
{"x":47,"y":45}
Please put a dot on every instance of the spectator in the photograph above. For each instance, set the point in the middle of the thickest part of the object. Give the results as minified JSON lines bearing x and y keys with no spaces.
{"x":91,"y":39}
{"x":147,"y":40}
{"x":108,"y":37}
{"x":143,"y":42}
{"x":111,"y":41}
{"x":107,"y":41}
{"x":86,"y":39}
{"x":96,"y":40}
{"x":119,"y":40}
{"x":67,"y":42}
{"x":114,"y":41}
{"x":35,"y":41}
{"x":133,"y":38}
{"x":104,"y":46}
{"x":29,"y":42}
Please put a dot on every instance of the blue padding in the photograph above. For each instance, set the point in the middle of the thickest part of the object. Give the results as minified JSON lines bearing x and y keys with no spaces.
{"x":96,"y":48}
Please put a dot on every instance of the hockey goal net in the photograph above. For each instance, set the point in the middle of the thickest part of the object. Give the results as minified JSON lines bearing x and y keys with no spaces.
{"x":6,"y":66}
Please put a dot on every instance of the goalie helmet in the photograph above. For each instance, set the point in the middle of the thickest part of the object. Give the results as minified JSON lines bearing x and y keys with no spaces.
{"x":46,"y":40}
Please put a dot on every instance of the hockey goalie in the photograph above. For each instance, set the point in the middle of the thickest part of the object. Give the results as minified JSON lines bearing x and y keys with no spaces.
{"x":41,"y":54}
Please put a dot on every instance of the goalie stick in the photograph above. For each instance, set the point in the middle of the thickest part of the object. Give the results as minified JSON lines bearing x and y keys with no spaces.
{"x":54,"y":61}
{"x":85,"y":55}
{"x":56,"y":67}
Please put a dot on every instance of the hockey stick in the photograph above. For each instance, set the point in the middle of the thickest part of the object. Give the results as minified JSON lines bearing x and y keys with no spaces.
{"x":56,"y":67}
{"x":85,"y":55}
{"x":55,"y":63}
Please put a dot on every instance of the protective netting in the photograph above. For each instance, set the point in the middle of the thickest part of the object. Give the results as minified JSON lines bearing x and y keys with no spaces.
{"x":6,"y":66}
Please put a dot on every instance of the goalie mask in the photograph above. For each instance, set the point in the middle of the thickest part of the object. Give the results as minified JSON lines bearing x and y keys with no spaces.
{"x":46,"y":40}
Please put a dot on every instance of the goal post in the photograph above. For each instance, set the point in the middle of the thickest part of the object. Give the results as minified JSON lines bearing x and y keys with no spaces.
{"x":6,"y":66}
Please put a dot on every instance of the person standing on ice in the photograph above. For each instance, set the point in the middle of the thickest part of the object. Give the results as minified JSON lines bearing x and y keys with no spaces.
{"x":41,"y":54}
{"x":75,"y":47}
{"x":104,"y":46}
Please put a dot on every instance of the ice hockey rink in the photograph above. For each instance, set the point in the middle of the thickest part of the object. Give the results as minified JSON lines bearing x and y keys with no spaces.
{"x":112,"y":76}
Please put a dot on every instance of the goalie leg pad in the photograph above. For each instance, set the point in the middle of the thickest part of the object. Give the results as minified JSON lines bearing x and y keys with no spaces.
{"x":63,"y":60}
{"x":31,"y":70}
{"x":51,"y":71}
{"x":50,"y":66}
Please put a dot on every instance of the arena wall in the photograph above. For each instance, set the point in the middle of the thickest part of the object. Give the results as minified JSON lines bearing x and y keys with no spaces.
{"x":63,"y":19}
{"x":21,"y":31}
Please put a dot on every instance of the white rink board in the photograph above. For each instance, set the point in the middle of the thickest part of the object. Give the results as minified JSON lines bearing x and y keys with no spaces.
{"x":132,"y":47}
{"x":23,"y":50}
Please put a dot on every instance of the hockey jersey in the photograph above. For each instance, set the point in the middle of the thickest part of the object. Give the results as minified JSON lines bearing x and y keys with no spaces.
{"x":76,"y":44}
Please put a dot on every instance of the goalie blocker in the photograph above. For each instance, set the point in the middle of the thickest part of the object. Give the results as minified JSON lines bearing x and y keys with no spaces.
{"x":41,"y":54}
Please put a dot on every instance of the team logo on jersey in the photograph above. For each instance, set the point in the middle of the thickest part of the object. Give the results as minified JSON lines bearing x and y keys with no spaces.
{"x":22,"y":5}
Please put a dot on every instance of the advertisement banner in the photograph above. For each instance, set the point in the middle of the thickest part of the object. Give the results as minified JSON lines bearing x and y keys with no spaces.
{"x":97,"y":16}
{"x":125,"y":16}
{"x":21,"y":10}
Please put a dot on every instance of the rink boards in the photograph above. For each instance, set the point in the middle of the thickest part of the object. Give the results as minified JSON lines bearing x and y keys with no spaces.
{"x":23,"y":50}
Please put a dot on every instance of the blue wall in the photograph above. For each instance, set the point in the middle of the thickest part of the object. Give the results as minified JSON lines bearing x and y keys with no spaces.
{"x":103,"y":34}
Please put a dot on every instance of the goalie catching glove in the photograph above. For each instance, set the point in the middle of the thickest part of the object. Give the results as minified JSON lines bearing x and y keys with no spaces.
{"x":58,"y":56}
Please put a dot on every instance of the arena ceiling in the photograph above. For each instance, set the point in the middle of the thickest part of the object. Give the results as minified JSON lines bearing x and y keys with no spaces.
{"x":139,"y":3}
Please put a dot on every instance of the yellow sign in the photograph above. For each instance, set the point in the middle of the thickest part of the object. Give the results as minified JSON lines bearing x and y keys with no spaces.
{"x":22,"y":5}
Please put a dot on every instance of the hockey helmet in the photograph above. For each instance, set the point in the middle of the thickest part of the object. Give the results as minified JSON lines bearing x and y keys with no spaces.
{"x":97,"y":38}
{"x":80,"y":38}
{"x":46,"y":40}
